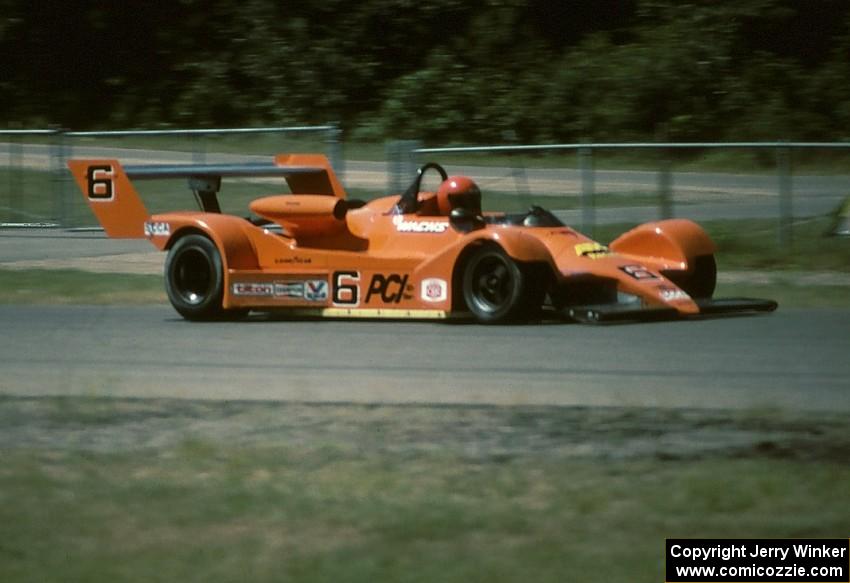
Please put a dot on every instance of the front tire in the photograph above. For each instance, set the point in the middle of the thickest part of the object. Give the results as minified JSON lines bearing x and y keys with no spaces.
{"x":498,"y":290}
{"x":194,"y":278}
{"x":702,"y":280}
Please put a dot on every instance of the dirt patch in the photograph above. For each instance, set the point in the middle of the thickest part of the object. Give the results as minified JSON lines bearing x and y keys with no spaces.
{"x":798,"y":278}
{"x":147,"y":263}
{"x":153,"y":262}
{"x":475,"y":433}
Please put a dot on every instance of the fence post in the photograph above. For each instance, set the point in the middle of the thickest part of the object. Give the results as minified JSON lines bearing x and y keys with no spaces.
{"x":588,"y":202}
{"x":786,"y":213}
{"x":67,"y":152}
{"x":15,"y":177}
{"x":199,"y":150}
{"x":665,"y":186}
{"x":392,"y":153}
{"x":334,"y":143}
{"x":517,"y":168}
{"x":401,"y":163}
{"x":57,"y":170}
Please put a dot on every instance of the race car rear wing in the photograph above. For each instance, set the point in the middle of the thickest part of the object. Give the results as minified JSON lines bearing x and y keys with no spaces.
{"x":107,"y":188}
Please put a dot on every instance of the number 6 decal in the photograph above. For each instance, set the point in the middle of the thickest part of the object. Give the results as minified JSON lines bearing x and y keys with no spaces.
{"x":346,"y":294}
{"x":100,"y":182}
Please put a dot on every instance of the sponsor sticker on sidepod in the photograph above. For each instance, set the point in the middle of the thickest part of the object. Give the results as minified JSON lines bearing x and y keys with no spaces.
{"x":253,"y":289}
{"x":316,"y":290}
{"x":434,"y":290}
{"x":403,"y":226}
{"x":669,"y":294}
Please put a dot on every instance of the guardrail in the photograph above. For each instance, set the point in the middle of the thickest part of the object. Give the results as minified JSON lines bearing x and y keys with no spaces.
{"x":585,"y":163}
{"x":58,"y":210}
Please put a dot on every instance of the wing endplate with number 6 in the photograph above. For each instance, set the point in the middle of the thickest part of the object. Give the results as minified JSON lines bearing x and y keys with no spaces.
{"x":111,"y":197}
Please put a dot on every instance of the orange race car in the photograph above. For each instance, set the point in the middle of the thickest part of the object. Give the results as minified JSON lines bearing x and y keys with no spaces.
{"x":414,"y":255}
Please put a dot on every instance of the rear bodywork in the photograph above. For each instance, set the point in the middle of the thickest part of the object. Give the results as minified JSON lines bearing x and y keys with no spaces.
{"x":313,"y":251}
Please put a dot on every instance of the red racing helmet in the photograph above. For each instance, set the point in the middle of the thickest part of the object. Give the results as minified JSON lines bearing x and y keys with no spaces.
{"x":458,"y":192}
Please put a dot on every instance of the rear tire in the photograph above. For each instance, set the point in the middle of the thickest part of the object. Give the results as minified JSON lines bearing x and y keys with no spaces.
{"x":498,"y":290}
{"x":194,"y":279}
{"x":700,"y":283}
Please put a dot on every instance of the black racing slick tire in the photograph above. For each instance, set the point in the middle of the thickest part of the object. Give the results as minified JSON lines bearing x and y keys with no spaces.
{"x":700,"y":283}
{"x":194,"y":278}
{"x":496,"y":289}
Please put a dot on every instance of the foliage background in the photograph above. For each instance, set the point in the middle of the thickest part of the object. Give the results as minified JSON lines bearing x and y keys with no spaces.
{"x":439,"y":70}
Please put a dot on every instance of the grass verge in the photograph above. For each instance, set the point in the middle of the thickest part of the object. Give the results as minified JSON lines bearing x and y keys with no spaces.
{"x":752,"y":244}
{"x":742,"y":246}
{"x":789,"y":295}
{"x":70,"y":286}
{"x":105,"y":490}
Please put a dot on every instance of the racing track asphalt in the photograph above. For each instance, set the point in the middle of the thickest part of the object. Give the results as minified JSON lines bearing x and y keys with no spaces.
{"x":794,"y":359}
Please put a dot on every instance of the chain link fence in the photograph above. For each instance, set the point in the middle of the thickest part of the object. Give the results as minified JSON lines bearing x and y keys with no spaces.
{"x":36,"y":189}
{"x":651,"y":181}
{"x":570,"y":179}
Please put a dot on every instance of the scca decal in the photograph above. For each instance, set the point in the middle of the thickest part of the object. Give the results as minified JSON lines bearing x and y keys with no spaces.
{"x":434,"y":290}
{"x":391,"y":288}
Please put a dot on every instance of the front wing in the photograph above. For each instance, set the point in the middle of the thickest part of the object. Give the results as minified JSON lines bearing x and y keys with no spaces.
{"x":600,"y":313}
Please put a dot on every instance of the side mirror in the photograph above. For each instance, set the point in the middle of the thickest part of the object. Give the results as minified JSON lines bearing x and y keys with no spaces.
{"x":465,"y":220}
{"x":540,"y":217}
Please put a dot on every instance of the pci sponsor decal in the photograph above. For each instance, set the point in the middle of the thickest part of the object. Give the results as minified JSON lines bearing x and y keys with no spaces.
{"x":403,"y":226}
{"x":253,"y":289}
{"x":434,"y":290}
{"x":390,"y":288}
{"x":592,"y":250}
{"x":316,"y":290}
{"x":669,"y":294}
{"x":638,"y":272}
{"x":157,"y":229}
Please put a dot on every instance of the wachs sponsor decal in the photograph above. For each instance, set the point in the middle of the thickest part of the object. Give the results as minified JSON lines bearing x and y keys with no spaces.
{"x":403,"y":226}
{"x":434,"y":290}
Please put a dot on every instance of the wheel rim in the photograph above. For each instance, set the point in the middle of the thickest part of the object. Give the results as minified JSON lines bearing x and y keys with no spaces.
{"x":193,"y":276}
{"x":492,"y":283}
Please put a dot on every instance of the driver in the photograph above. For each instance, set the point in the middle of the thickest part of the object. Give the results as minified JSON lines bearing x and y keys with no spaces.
{"x":458,"y":192}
